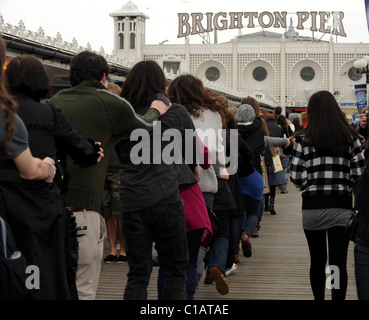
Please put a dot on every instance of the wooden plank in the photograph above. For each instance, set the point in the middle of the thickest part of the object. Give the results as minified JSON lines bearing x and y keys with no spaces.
{"x":277,"y":270}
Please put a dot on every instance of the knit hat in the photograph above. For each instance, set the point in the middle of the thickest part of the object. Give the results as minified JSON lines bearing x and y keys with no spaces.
{"x":245,"y":113}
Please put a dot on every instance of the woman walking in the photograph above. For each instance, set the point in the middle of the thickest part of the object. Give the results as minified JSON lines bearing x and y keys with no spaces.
{"x":327,"y":159}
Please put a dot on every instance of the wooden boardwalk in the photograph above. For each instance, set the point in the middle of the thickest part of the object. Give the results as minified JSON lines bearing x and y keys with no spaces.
{"x":277,"y":270}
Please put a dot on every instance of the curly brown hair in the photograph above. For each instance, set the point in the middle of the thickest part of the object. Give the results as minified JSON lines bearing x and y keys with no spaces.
{"x":7,"y":103}
{"x":190,"y":92}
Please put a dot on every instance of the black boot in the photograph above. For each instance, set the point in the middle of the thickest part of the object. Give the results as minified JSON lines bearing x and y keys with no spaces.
{"x":266,"y":202}
{"x":271,"y":209}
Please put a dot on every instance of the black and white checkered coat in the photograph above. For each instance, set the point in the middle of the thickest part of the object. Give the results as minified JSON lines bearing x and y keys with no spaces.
{"x":326,"y":180}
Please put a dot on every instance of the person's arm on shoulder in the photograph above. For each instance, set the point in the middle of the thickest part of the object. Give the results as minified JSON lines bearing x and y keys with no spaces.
{"x":276,"y":142}
{"x":125,"y":119}
{"x":160,"y":106}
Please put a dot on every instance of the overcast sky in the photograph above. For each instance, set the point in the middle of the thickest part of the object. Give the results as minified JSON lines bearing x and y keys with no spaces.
{"x":89,"y":21}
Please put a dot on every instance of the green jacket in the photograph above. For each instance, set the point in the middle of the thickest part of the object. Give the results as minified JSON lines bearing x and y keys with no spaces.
{"x":101,"y":115}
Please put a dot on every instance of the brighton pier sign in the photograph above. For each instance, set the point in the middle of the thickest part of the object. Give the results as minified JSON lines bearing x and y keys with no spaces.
{"x":322,"y":21}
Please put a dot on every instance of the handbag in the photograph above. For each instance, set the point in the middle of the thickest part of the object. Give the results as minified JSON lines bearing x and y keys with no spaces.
{"x":12,"y":267}
{"x":277,"y":164}
{"x":223,"y":198}
{"x":358,"y":226}
{"x":12,"y":263}
{"x":352,"y":226}
{"x":265,"y":175}
{"x":215,"y":224}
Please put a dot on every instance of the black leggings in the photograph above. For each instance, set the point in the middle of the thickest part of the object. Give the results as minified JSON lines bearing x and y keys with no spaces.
{"x":337,"y":248}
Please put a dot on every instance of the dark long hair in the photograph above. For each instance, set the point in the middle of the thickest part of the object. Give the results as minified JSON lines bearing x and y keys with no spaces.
{"x":282,"y":121}
{"x":190,"y":92}
{"x":328,"y":129}
{"x":26,"y":74}
{"x":145,"y":79}
{"x":6,"y":101}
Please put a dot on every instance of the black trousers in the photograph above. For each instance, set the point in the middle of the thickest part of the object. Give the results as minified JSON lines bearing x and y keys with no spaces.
{"x":337,"y":257}
{"x":164,"y":225}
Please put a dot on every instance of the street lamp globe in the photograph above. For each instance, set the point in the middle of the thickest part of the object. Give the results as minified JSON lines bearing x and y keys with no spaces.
{"x":366,"y":58}
{"x":360,"y":63}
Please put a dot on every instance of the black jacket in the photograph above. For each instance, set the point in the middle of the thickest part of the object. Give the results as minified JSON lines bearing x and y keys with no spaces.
{"x":45,"y":232}
{"x":275,"y":129}
{"x":245,"y":158}
{"x":49,"y":132}
{"x":361,"y":191}
{"x":148,"y":182}
{"x":253,"y":135}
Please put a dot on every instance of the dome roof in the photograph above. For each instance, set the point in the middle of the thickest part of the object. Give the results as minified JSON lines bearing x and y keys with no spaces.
{"x":129,"y":10}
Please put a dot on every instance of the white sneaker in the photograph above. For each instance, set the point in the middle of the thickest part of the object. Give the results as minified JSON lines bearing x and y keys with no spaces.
{"x":231,"y":270}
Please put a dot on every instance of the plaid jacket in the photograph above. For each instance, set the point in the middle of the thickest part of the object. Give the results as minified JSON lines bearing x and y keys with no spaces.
{"x":326,"y":180}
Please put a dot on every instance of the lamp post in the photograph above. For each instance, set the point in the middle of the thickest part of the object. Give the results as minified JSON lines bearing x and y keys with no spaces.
{"x":362,"y":67}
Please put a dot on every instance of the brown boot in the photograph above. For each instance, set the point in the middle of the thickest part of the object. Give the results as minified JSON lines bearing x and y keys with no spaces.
{"x":246,"y":245}
{"x":220,"y":280}
{"x":236,"y":258}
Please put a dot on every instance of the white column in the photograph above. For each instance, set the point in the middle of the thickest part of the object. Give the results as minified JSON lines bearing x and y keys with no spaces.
{"x":126,"y":37}
{"x":188,"y":53}
{"x":283,"y":77}
{"x":234,"y":64}
{"x":331,"y":68}
{"x":116,"y":35}
{"x":139,"y":38}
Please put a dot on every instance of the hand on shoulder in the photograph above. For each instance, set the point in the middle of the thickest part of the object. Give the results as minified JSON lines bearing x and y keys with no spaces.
{"x":161,"y":106}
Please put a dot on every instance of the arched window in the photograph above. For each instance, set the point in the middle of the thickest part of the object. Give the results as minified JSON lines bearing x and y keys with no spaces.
{"x":132,"y":38}
{"x":120,"y":41}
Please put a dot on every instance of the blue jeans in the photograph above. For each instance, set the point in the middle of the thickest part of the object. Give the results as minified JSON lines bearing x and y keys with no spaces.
{"x":287,"y":161}
{"x":237,"y":222}
{"x":361,"y":254}
{"x":165,"y":225}
{"x":251,"y":214}
{"x":217,"y":255}
{"x":193,"y":243}
{"x":261,"y":211}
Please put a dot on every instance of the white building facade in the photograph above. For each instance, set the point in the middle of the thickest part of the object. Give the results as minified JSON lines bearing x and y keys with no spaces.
{"x":277,"y":69}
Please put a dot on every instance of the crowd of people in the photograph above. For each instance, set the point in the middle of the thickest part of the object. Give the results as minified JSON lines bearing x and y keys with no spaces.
{"x":169,"y":166}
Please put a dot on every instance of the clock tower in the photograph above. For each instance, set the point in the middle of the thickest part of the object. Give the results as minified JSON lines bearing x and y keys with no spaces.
{"x":129,"y":32}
